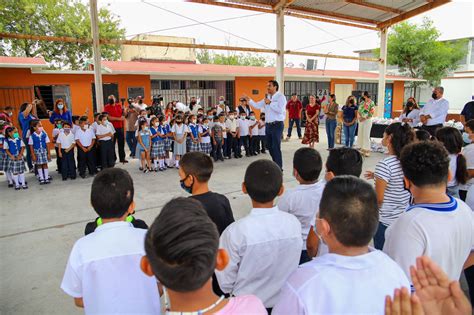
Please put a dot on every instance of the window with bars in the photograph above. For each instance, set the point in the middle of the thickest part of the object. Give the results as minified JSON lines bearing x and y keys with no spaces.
{"x":49,"y":94}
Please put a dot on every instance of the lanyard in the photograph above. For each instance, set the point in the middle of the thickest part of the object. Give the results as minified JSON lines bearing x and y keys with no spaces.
{"x":199,"y":312}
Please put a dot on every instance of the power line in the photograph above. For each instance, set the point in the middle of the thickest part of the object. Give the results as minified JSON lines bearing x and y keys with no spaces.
{"x":195,"y":24}
{"x":334,"y":40}
{"x":202,"y":23}
{"x":327,"y":32}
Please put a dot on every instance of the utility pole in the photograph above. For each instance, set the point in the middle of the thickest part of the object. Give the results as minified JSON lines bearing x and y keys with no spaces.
{"x":99,"y":94}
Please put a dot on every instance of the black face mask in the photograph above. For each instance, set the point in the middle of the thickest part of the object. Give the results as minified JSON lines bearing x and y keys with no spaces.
{"x":111,"y":101}
{"x":140,"y":102}
{"x":434,"y":96}
{"x":193,"y":103}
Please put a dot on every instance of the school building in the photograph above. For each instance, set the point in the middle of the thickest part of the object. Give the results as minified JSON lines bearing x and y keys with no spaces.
{"x":23,"y":79}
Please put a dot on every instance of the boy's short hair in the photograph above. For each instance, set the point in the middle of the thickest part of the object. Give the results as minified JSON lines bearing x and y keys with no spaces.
{"x":75,"y":118}
{"x":181,"y":245}
{"x":65,"y":122}
{"x":349,"y":204}
{"x":425,"y":163}
{"x":263,"y":180}
{"x":197,"y":164}
{"x":112,"y":193}
{"x":422,"y":135}
{"x":96,"y":114}
{"x":102,"y":116}
{"x":83,"y":119}
{"x":344,"y":161}
{"x":308,"y":163}
{"x":470,"y":124}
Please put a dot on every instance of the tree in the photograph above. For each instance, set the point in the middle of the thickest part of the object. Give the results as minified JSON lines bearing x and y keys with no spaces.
{"x":204,"y":56}
{"x":416,"y":51}
{"x":56,"y":18}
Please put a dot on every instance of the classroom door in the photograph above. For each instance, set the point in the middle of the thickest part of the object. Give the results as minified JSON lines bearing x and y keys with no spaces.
{"x":342,"y":91}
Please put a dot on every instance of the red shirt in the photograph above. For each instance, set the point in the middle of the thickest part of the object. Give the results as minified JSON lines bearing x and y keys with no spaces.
{"x":115,"y":111}
{"x":311,"y":110}
{"x":294,"y":109}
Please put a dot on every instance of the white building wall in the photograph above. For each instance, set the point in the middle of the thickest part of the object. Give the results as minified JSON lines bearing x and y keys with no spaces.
{"x":458,"y":91}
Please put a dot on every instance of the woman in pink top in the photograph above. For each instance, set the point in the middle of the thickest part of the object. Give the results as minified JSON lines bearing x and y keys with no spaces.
{"x":182,"y":252}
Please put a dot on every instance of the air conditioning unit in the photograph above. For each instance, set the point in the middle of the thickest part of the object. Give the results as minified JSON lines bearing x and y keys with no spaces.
{"x":311,"y":64}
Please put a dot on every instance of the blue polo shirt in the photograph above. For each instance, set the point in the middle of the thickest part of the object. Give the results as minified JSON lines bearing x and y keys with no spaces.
{"x":25,"y":123}
{"x":349,"y":112}
{"x":66,"y":116}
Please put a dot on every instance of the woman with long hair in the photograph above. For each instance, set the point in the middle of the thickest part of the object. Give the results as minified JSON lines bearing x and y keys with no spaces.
{"x":349,"y":117}
{"x":311,"y":132}
{"x":366,"y":112}
{"x":60,"y":112}
{"x":411,"y":112}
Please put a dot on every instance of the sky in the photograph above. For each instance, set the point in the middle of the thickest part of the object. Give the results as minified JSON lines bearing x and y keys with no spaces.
{"x":254,"y":29}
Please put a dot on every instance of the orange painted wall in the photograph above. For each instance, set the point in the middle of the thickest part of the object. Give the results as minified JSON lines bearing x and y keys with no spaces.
{"x":342,"y":81}
{"x":245,"y":85}
{"x":79,"y":85}
{"x":398,"y":96}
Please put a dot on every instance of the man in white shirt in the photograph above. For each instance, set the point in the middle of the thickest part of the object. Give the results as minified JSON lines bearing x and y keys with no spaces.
{"x":352,"y":278}
{"x":103,"y":271}
{"x":265,"y":246}
{"x":303,"y":200}
{"x":244,"y":130}
{"x":274,"y":105}
{"x":433,"y":114}
{"x":436,"y":225}
{"x":232,"y":131}
{"x":105,"y":134}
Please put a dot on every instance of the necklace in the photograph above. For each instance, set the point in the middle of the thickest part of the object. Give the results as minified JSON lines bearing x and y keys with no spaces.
{"x":199,"y":312}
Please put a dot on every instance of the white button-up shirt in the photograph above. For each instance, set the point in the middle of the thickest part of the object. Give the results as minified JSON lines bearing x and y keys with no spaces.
{"x":264,"y":249}
{"x":437,"y":109}
{"x":276,"y":110}
{"x":414,"y":114}
{"x":303,"y":202}
{"x":104,"y":269}
{"x":336,"y":284}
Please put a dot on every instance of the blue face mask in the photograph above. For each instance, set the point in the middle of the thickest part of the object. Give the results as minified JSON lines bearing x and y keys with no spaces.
{"x":187,"y":189}
{"x":466,"y":138}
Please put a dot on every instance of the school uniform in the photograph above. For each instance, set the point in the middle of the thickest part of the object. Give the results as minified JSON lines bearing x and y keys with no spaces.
{"x":244,"y":136}
{"x":3,"y":154}
{"x":85,"y":137}
{"x":14,"y":147}
{"x":303,"y":202}
{"x":262,"y":137}
{"x":158,"y":142}
{"x":104,"y":270}
{"x":106,"y":145}
{"x":231,"y":126}
{"x":68,"y":165}
{"x":194,"y":146}
{"x":55,"y":134}
{"x":180,"y":134}
{"x":145,"y":136}
{"x":217,"y":132}
{"x":336,"y":284}
{"x":40,"y":147}
{"x":442,"y":231}
{"x":167,"y":132}
{"x":264,"y":249}
{"x":254,"y":137}
{"x":205,"y":132}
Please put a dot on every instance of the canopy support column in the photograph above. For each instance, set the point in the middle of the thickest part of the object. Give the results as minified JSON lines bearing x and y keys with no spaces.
{"x":280,"y":41}
{"x":382,"y":72}
{"x":99,"y":94}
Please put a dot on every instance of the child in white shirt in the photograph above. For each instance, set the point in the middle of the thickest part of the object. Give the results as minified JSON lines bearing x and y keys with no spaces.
{"x":436,"y":225}
{"x":303,"y":200}
{"x":261,"y":134}
{"x":102,"y":273}
{"x":244,"y":124}
{"x":66,"y":145}
{"x":254,"y":139}
{"x":105,"y":138}
{"x":265,"y":246}
{"x":352,"y":278}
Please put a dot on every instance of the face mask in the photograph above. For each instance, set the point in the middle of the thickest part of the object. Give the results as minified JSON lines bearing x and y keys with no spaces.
{"x":111,"y":101}
{"x":205,"y":124}
{"x":193,"y":121}
{"x":263,"y":118}
{"x":86,"y":127}
{"x":409,"y":104}
{"x":140,"y":102}
{"x":221,"y":102}
{"x":242,"y":117}
{"x":59,"y":126}
{"x":156,"y":124}
{"x":60,"y":106}
{"x":40,"y":129}
{"x":466,"y":138}
{"x":104,"y":122}
{"x":67,"y":130}
{"x":179,"y":122}
{"x":193,"y":103}
{"x":146,"y":128}
{"x":10,"y":114}
{"x":16,"y":135}
{"x":434,"y":96}
{"x":231,"y":117}
{"x":187,"y":189}
{"x":252,"y":117}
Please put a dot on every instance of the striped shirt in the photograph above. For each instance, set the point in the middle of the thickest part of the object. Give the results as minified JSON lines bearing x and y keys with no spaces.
{"x":396,"y":199}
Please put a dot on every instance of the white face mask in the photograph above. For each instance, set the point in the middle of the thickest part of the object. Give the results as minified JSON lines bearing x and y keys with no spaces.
{"x":221,"y":102}
{"x":231,"y":117}
{"x":60,"y":106}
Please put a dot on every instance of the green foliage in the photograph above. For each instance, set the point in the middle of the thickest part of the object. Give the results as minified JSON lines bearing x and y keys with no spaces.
{"x":204,"y":56}
{"x":69,"y":18}
{"x":416,"y":51}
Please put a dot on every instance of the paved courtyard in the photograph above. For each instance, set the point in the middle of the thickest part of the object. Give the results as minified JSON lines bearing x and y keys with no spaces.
{"x":39,"y":226}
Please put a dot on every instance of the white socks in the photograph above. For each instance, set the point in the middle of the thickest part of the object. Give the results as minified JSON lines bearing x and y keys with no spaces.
{"x":15,"y":179}
{"x":40,"y":174}
{"x":21,"y":179}
{"x":10,"y":178}
{"x":155,"y":162}
{"x":46,"y":173}
{"x":177,"y":163}
{"x":162,"y":163}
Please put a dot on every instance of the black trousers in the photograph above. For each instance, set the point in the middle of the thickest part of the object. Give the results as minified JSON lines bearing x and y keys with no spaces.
{"x":86,"y":159}
{"x":469,"y":273}
{"x":58,"y":159}
{"x":254,"y":144}
{"x":107,"y":153}
{"x":244,"y":141}
{"x":68,"y":164}
{"x":233,"y":145}
{"x":217,"y":152}
{"x":262,"y":143}
{"x":432,"y":129}
{"x":120,"y":139}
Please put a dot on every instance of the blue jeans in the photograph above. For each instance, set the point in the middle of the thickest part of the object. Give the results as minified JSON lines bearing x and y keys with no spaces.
{"x":349,"y":134}
{"x":131,"y":142}
{"x":379,"y":237}
{"x":274,"y":131}
{"x":298,"y":127}
{"x":28,"y":153}
{"x":330,"y":130}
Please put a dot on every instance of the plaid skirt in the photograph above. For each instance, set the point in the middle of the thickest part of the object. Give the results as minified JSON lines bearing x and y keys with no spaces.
{"x":167,"y":144}
{"x":41,"y":156}
{"x":206,"y":148}
{"x":3,"y":161}
{"x":15,"y":167}
{"x":158,"y":149}
{"x":194,"y":146}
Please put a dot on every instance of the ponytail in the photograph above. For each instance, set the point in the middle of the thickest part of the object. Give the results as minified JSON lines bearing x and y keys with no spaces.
{"x":462,"y":174}
{"x":402,"y":135}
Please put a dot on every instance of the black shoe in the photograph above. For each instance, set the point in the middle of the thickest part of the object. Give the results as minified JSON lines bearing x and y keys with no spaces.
{"x":64,"y":179}
{"x":73,"y":178}
{"x":215,"y":159}
{"x":222,"y":159}
{"x":124,"y":162}
{"x":17,"y":188}
{"x":83,"y":176}
{"x":10,"y":185}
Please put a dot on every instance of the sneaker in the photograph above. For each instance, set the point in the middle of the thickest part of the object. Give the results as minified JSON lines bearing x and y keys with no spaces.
{"x":42,"y":182}
{"x":17,"y":187}
{"x":170,"y":166}
{"x":24,"y":186}
{"x":145,"y":170}
{"x":50,"y":178}
{"x":10,"y":185}
{"x":47,"y":181}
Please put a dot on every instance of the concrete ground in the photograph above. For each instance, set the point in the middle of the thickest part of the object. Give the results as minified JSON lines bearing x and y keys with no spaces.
{"x":39,"y":226}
